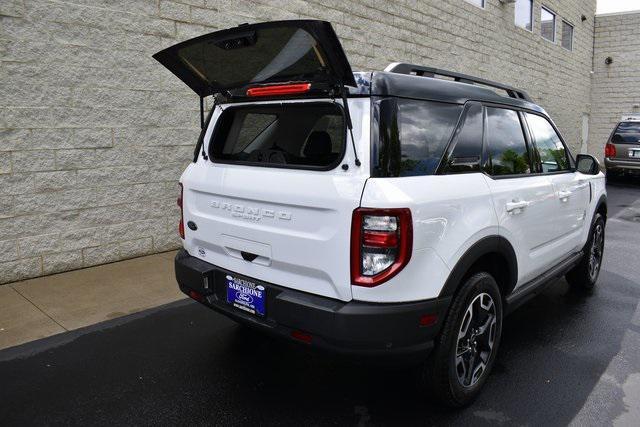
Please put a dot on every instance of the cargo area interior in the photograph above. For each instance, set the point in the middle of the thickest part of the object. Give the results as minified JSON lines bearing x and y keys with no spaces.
{"x":298,"y":134}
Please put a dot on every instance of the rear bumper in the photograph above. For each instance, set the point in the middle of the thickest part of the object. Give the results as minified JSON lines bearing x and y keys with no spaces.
{"x":354,"y":328}
{"x":622,"y":164}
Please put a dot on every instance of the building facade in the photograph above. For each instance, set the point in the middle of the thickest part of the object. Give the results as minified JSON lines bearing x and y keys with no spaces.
{"x":616,"y":75}
{"x":94,"y":133}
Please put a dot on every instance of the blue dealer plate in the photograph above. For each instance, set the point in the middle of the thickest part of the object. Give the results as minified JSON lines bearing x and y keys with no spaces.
{"x":246,"y":295}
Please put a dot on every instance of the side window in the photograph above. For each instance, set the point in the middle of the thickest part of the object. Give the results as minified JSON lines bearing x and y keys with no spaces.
{"x":506,"y":146}
{"x":467,"y":146}
{"x":549,"y":147}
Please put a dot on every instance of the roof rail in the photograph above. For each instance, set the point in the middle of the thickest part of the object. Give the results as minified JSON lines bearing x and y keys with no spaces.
{"x":419,"y":70}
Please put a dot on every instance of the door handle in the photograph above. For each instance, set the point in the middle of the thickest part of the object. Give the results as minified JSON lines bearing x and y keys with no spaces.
{"x":516,"y":207}
{"x":564,"y":195}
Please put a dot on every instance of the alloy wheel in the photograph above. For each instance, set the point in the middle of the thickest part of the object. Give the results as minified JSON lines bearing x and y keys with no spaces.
{"x":476,"y":339}
{"x":596,"y":251}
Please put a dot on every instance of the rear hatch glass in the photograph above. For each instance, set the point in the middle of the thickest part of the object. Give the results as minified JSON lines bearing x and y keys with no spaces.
{"x":627,"y":133}
{"x":229,"y":61}
{"x":296,"y":135}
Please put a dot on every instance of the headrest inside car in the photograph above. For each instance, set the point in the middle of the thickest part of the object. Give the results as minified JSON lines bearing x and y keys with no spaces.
{"x":318,"y":144}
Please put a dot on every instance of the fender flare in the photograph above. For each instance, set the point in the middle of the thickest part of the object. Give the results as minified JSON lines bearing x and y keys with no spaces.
{"x":484,"y":246}
{"x":602,"y":201}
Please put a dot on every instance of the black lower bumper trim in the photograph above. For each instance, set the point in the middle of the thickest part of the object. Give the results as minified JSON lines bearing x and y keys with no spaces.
{"x":359,"y":328}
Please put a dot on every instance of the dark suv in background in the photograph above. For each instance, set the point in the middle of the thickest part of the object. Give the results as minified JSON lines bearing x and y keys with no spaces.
{"x":622,"y":151}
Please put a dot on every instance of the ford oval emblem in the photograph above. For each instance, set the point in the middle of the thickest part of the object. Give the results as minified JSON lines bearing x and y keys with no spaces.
{"x":244,"y":297}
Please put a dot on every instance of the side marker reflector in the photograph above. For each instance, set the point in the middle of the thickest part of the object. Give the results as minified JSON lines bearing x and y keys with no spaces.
{"x":428,"y":319}
{"x":301,"y":336}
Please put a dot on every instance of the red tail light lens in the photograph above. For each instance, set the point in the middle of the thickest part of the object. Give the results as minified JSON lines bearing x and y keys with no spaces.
{"x":381,"y":244}
{"x":276,"y":90}
{"x":181,"y":225}
{"x":609,"y":150}
{"x":196,"y":296}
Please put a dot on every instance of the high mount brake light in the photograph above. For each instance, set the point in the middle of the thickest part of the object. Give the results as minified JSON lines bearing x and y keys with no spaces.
{"x":609,"y":150}
{"x":381,"y":244}
{"x":180,"y":203}
{"x":275,"y":90}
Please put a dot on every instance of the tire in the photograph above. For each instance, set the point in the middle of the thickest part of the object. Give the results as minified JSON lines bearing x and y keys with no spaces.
{"x":585,"y":274}
{"x":446,"y":374}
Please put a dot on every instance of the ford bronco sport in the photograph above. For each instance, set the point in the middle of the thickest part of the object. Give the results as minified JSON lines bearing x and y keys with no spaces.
{"x":397,"y":213}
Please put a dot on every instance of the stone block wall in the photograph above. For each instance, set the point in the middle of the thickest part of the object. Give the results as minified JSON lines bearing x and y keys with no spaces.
{"x":94,"y":133}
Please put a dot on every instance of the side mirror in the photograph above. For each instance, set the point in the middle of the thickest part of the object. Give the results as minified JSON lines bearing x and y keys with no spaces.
{"x":587,"y":164}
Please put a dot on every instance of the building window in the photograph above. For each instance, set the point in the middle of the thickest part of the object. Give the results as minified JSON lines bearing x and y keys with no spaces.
{"x":548,"y":22}
{"x":567,"y":35}
{"x":479,"y":3}
{"x":524,"y":14}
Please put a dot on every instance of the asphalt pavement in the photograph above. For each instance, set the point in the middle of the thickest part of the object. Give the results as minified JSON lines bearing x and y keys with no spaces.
{"x":565,"y":358}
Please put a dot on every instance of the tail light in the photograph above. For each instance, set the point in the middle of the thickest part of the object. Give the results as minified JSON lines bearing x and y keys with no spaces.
{"x":381,"y":243}
{"x":609,"y":150}
{"x":181,"y":225}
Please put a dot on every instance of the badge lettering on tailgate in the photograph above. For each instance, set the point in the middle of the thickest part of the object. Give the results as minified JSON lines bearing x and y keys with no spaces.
{"x":250,"y":213}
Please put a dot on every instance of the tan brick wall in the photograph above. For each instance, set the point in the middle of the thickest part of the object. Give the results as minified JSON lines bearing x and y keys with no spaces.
{"x":616,"y":87}
{"x":94,"y":133}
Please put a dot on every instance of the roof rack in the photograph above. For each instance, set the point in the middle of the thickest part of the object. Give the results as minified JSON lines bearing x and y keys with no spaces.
{"x":419,"y":70}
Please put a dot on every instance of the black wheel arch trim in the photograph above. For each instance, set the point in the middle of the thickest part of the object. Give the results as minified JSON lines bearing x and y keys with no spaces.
{"x":602,"y":201}
{"x":485,"y":246}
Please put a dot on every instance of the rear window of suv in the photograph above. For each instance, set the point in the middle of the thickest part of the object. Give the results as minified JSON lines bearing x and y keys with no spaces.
{"x":297,"y":135}
{"x":413,"y":135}
{"x":626,"y":133}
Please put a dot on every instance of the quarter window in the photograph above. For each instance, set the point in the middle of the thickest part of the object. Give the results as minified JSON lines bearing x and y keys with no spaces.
{"x":549,"y":147}
{"x":506,"y":145}
{"x":548,"y":24}
{"x":567,"y":35}
{"x":524,"y":14}
{"x":413,"y":136}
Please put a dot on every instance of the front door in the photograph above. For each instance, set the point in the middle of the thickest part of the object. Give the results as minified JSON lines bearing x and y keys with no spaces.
{"x":571,"y":189}
{"x":523,"y":201}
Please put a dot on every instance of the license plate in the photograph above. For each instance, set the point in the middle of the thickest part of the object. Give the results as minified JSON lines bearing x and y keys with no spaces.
{"x":246,"y":295}
{"x":634,"y":153}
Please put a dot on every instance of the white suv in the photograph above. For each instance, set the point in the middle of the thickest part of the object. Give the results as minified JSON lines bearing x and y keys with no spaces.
{"x":382,"y":213}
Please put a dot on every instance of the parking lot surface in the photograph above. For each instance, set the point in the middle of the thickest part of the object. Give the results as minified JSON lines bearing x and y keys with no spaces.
{"x":565,"y":358}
